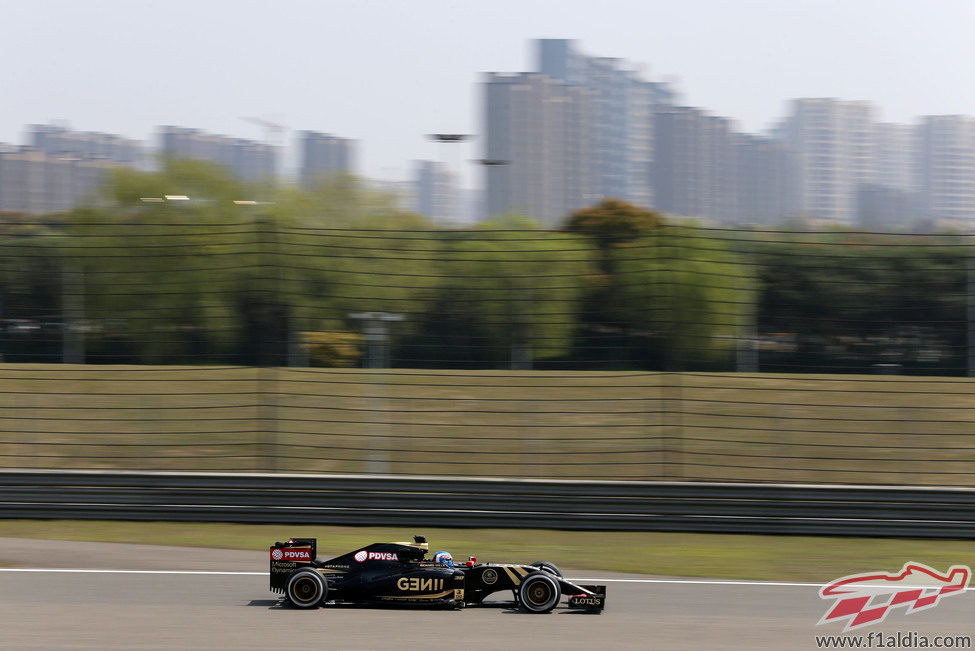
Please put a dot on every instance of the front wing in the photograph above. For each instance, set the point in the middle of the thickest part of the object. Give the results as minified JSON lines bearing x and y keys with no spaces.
{"x":488,"y":578}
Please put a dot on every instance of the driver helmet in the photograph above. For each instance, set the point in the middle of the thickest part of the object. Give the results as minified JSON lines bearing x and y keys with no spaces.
{"x":444,"y":558}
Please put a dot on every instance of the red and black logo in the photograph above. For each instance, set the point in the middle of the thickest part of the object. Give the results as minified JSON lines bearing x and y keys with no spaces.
{"x":291,"y":554}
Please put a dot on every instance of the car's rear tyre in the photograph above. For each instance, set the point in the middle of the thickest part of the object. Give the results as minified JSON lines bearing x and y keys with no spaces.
{"x":539,"y":592}
{"x":551,"y":568}
{"x":306,"y":589}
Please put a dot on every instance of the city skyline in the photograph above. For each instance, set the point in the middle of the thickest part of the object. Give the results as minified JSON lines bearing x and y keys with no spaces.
{"x":583,"y":127}
{"x":401,"y":72}
{"x":560,"y":164}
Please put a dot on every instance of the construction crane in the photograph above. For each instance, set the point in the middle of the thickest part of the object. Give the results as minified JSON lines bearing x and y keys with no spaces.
{"x":273,"y":132}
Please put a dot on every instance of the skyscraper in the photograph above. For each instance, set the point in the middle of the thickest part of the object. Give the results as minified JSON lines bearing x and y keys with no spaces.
{"x":61,"y":169}
{"x":694,"y":166}
{"x":896,"y":156}
{"x":891,"y":200}
{"x":621,"y":133}
{"x":435,"y":193}
{"x":247,"y":159}
{"x":323,"y":154}
{"x":577,"y":130}
{"x":58,"y":140}
{"x":946,"y":166}
{"x":23,"y":180}
{"x":35,"y":182}
{"x":537,"y":136}
{"x":765,"y":173}
{"x":834,"y":146}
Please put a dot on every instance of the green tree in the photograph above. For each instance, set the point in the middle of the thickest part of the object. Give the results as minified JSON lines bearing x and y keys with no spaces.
{"x":163,"y":279}
{"x":510,"y":293}
{"x":851,"y":300}
{"x":611,"y":226}
{"x":235,"y":271}
{"x":612,"y":223}
{"x":30,"y":290}
{"x":348,"y":249}
{"x":689,"y":291}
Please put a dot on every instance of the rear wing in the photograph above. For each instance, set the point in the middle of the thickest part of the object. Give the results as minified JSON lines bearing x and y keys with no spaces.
{"x":288,"y":556}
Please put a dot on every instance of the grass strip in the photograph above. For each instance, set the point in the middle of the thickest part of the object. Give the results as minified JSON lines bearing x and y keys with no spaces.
{"x":770,"y":558}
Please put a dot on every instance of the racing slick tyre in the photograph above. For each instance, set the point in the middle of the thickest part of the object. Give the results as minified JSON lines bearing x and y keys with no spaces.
{"x":306,"y":589}
{"x":551,"y":568}
{"x":539,"y":592}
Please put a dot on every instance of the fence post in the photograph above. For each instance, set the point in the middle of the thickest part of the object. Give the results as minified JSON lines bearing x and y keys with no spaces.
{"x":267,"y":346}
{"x":671,"y":386}
{"x":747,"y":309}
{"x":970,"y":308}
{"x":72,"y":315}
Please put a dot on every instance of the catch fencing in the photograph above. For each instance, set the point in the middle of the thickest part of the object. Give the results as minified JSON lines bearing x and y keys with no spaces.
{"x":682,"y":354}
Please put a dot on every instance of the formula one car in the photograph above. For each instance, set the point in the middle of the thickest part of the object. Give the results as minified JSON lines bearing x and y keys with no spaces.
{"x":397,"y":573}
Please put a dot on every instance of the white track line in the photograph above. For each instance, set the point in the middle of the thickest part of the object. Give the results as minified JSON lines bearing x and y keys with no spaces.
{"x":76,"y":571}
{"x":702,"y":582}
{"x":730,"y":582}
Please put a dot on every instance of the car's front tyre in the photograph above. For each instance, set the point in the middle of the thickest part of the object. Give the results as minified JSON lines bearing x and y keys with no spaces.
{"x":551,"y":568}
{"x":539,"y":592}
{"x":306,"y":589}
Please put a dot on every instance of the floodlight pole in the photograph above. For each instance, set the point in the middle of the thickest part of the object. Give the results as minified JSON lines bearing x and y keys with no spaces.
{"x":266,"y":373}
{"x":489,"y":163}
{"x":377,"y":327}
{"x":448,"y":139}
{"x":521,"y":356}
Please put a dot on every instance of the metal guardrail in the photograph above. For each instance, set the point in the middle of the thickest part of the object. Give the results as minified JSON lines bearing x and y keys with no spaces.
{"x":501,"y":503}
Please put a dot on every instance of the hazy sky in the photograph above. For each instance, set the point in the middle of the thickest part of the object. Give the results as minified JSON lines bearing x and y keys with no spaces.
{"x":388,"y":72}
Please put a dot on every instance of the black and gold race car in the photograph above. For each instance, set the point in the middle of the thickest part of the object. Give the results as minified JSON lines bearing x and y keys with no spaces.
{"x":397,"y":573}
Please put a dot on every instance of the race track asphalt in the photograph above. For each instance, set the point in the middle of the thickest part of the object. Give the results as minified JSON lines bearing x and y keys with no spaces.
{"x":110,"y":610}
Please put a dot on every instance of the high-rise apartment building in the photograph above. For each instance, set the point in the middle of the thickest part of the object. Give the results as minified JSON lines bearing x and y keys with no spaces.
{"x":946,"y":168}
{"x":537,"y":137}
{"x":57,"y":140}
{"x":324,"y":155}
{"x":765,"y":173}
{"x":436,"y":193}
{"x":694,"y":164}
{"x":621,"y":131}
{"x":34,"y":182}
{"x":247,"y":159}
{"x":577,"y":130}
{"x":23,"y":180}
{"x":896,"y":156}
{"x":884,"y":208}
{"x":834,"y":144}
{"x":61,"y":169}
